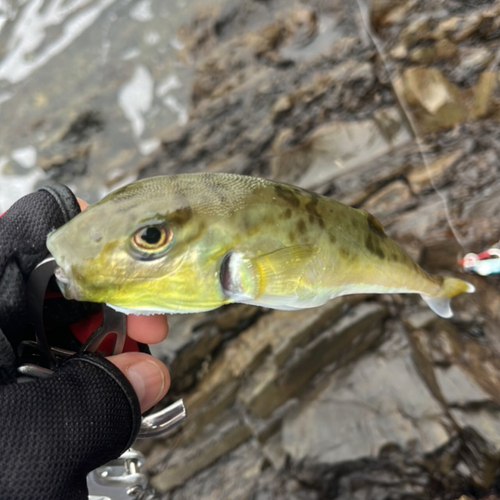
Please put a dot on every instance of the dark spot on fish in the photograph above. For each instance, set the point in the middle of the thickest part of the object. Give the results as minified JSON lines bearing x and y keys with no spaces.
{"x":247,"y":222}
{"x":182,"y":215}
{"x":267,"y":219}
{"x":344,"y":252}
{"x":332,"y":238}
{"x":292,"y":237}
{"x":301,"y":227}
{"x":288,"y":213}
{"x":287,"y":194}
{"x":375,"y":226}
{"x":373,"y":246}
{"x":311,"y":208}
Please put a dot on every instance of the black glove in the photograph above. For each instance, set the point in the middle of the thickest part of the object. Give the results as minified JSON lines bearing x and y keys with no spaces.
{"x":54,"y":430}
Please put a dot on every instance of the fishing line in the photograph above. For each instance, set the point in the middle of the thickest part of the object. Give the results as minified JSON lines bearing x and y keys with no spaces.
{"x":363,"y":9}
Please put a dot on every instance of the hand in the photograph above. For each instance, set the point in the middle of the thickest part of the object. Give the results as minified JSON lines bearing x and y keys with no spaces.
{"x":149,"y":376}
{"x":56,"y":430}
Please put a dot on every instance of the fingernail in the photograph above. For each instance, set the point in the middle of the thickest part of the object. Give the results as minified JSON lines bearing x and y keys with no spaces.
{"x":148,"y":382}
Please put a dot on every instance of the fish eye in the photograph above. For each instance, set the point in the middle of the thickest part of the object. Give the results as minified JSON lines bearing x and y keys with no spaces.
{"x":151,"y":240}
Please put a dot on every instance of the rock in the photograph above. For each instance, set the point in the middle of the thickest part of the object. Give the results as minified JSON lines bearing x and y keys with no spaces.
{"x":361,"y":410}
{"x":447,"y":27}
{"x":345,"y":146}
{"x":437,"y":102}
{"x":445,"y":50}
{"x":486,"y":207}
{"x":399,"y":52}
{"x":419,"y":223}
{"x":483,"y":93}
{"x":423,"y":55}
{"x":183,"y":462}
{"x":363,"y":398}
{"x":269,"y":387}
{"x":384,"y":12}
{"x":425,"y":177}
{"x":283,"y":104}
{"x":231,"y":477}
{"x":472,"y":60}
{"x":389,"y":200}
{"x":274,"y":452}
{"x":417,"y":31}
{"x":458,"y":387}
{"x":281,"y":331}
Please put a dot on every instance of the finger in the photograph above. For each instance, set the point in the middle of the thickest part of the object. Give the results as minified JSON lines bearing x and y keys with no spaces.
{"x":83,"y":204}
{"x":147,"y":329}
{"x":149,"y":376}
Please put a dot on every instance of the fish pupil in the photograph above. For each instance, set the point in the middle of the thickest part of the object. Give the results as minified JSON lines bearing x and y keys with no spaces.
{"x":151,"y":235}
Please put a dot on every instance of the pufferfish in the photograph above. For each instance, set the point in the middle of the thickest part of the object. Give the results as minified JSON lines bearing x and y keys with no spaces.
{"x":194,"y":242}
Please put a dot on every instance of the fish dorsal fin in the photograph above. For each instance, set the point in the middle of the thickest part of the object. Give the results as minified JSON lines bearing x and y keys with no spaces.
{"x":276,"y":274}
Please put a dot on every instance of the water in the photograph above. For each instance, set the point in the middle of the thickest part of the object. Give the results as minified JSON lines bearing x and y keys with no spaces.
{"x":119,"y":60}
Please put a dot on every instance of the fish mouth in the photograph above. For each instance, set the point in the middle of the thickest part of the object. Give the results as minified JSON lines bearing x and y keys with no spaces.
{"x":65,"y":283}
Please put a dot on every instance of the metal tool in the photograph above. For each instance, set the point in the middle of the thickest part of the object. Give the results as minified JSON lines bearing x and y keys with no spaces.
{"x":121,"y":479}
{"x":113,"y":323}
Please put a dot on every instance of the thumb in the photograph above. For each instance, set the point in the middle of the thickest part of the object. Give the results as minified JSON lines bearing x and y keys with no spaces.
{"x":148,"y":376}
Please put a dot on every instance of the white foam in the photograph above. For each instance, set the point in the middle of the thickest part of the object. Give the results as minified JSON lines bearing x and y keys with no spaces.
{"x":136,"y":98}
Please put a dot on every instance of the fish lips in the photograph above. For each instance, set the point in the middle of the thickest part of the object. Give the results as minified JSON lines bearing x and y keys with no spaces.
{"x":65,"y":283}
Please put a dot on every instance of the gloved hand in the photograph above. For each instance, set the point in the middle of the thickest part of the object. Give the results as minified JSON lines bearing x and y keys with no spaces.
{"x":54,"y":431}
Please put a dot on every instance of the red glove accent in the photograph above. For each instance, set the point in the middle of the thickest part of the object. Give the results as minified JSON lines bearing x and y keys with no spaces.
{"x":84,"y":328}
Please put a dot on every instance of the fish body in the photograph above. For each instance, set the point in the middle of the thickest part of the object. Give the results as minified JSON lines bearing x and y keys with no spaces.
{"x":194,"y":242}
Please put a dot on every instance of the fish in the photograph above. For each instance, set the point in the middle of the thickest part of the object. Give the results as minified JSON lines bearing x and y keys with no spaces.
{"x":194,"y":242}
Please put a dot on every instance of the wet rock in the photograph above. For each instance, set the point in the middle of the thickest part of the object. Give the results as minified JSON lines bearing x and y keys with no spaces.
{"x":279,"y":332}
{"x":283,"y":104}
{"x":84,"y":126}
{"x":389,"y":200}
{"x":436,"y":101}
{"x":383,"y":12}
{"x":426,"y":177}
{"x":412,"y":228}
{"x":483,"y":92}
{"x":472,"y":61}
{"x":486,"y":206}
{"x":445,"y":50}
{"x":64,"y":166}
{"x":362,"y":410}
{"x":231,"y":477}
{"x":345,"y":146}
{"x":269,"y":387}
{"x":423,"y":55}
{"x":223,"y":436}
{"x":418,"y":30}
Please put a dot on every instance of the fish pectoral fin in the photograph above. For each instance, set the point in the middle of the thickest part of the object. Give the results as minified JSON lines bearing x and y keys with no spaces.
{"x":273,"y":275}
{"x":281,"y":271}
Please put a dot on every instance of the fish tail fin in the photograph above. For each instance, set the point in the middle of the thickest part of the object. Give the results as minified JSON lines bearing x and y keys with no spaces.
{"x":451,"y":287}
